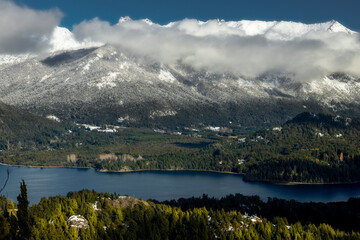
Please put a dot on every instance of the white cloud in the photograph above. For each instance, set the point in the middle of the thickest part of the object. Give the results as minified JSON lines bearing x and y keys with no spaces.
{"x":24,"y":30}
{"x":249,"y":48}
{"x":245,"y":47}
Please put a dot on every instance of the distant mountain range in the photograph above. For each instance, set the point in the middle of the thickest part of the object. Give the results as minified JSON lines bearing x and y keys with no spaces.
{"x":92,"y":82}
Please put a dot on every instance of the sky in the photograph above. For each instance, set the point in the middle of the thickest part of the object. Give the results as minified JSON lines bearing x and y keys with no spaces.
{"x":165,"y":11}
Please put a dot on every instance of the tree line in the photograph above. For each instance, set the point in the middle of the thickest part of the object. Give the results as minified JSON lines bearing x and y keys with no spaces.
{"x":111,"y":216}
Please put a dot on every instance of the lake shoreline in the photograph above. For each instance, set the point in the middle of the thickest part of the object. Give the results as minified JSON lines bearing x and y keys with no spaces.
{"x":186,"y":170}
{"x":162,"y":185}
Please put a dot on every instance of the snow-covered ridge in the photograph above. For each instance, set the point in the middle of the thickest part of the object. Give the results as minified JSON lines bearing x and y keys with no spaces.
{"x":62,"y":39}
{"x":274,"y":30}
{"x":13,"y":59}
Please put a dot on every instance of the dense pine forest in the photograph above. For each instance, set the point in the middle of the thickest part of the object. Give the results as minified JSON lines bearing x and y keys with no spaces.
{"x":90,"y":215}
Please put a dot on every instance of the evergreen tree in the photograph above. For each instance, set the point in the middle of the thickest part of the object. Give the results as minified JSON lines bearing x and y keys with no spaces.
{"x":23,"y":213}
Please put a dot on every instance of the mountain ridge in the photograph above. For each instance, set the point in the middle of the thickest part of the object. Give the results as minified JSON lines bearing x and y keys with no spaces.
{"x":74,"y":82}
{"x":103,"y":83}
{"x":62,"y":39}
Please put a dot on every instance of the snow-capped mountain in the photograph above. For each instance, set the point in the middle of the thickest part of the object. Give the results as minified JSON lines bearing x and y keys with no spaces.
{"x":94,"y":82}
{"x":274,"y":30}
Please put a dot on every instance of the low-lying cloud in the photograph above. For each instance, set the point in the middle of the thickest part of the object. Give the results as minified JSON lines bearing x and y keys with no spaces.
{"x":247,"y":50}
{"x":24,"y":30}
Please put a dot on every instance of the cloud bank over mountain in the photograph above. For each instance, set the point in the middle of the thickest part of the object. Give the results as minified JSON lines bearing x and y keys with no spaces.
{"x":24,"y":30}
{"x":245,"y":47}
{"x":248,"y":48}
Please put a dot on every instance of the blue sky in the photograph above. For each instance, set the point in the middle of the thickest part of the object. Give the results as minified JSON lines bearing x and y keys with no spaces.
{"x":164,"y":11}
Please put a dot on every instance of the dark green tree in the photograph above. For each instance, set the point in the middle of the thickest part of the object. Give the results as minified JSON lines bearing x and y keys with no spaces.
{"x":23,"y":213}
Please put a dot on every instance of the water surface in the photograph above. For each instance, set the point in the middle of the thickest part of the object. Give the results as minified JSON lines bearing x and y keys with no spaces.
{"x":44,"y":182}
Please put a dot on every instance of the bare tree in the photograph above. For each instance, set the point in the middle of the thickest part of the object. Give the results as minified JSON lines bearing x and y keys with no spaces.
{"x":6,"y":181}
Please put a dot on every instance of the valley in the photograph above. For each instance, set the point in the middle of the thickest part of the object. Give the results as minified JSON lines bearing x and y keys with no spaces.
{"x":311,"y":148}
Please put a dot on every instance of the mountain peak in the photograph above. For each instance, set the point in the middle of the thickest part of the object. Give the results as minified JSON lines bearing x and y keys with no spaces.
{"x":124,"y":19}
{"x":335,"y":26}
{"x":148,"y":21}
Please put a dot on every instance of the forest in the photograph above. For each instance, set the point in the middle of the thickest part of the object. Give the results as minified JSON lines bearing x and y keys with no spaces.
{"x":90,"y":215}
{"x":308,"y":149}
{"x":311,"y":148}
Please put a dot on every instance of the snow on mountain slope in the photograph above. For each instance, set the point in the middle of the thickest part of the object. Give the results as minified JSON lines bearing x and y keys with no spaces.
{"x":273,"y":30}
{"x":7,"y":59}
{"x":96,"y":82}
{"x":82,"y":84}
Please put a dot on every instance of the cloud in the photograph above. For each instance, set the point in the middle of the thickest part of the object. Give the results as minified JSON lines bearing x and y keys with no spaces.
{"x":247,"y":48}
{"x":250,"y":49}
{"x":24,"y":30}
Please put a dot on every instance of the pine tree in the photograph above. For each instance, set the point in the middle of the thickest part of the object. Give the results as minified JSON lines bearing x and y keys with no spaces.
{"x":23,"y":213}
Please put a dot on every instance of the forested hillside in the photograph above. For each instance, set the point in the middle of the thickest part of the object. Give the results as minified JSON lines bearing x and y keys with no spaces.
{"x":20,"y":129}
{"x":90,"y":215}
{"x":310,"y":148}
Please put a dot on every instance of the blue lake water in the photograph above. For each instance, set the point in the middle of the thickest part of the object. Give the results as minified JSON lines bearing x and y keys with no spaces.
{"x":45,"y":182}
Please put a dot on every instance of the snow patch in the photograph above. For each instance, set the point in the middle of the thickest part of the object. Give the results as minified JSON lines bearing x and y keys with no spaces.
{"x":319,"y":134}
{"x":45,"y":77}
{"x":89,"y":63}
{"x":162,"y":113}
{"x":147,"y":21}
{"x":124,"y":19}
{"x":125,"y":118}
{"x":6,"y":59}
{"x":326,"y":84}
{"x":108,"y":128}
{"x":160,"y":131}
{"x":277,"y":129}
{"x":107,"y":81}
{"x":272,"y":30}
{"x":214,"y":129}
{"x":166,"y":76}
{"x":124,"y":66}
{"x":53,"y":117}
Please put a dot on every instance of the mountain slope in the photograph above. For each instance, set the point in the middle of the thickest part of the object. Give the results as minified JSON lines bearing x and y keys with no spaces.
{"x":19,"y":128}
{"x":103,"y":85}
{"x":312,"y":148}
{"x":86,"y":81}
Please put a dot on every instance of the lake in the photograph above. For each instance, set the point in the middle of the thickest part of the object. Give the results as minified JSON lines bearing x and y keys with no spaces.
{"x":45,"y":182}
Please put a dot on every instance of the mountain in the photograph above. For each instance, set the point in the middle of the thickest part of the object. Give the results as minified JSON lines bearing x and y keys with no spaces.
{"x":275,"y":30}
{"x":90,"y":82}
